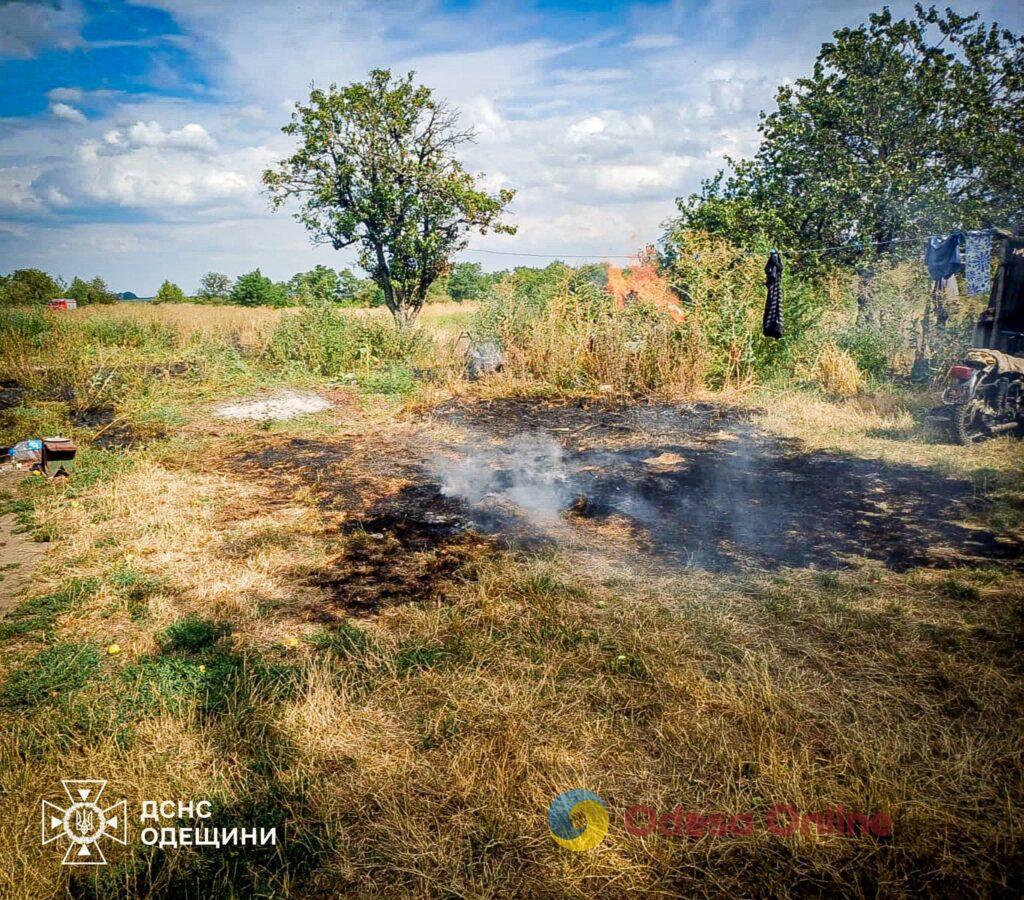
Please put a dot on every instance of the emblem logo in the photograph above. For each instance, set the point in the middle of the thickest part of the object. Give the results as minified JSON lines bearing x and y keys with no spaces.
{"x":84,"y":822}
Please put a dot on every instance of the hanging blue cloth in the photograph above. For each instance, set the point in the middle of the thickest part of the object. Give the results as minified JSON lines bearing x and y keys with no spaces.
{"x":978,"y":255}
{"x":942,"y":256}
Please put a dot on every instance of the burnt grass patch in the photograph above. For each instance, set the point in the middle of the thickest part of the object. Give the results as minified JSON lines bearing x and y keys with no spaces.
{"x":759,"y":503}
{"x":404,"y":540}
{"x":11,"y":393}
{"x":111,"y":433}
{"x":405,"y":549}
{"x":705,"y":488}
{"x":582,"y":421}
{"x":690,"y":486}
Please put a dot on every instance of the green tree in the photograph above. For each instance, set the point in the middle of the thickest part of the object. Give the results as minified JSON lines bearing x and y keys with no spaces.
{"x":356,"y":291}
{"x":904,"y":127}
{"x":214,"y":286}
{"x":375,"y":168}
{"x":255,"y":289}
{"x":319,"y":285}
{"x":170,"y":293}
{"x":93,"y":291}
{"x":29,"y":286}
{"x":468,"y":282}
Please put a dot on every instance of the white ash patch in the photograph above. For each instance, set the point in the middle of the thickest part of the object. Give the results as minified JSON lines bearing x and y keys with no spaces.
{"x":283,"y":404}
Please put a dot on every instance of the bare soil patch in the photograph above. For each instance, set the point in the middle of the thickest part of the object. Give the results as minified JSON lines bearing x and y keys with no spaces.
{"x":281,"y":405}
{"x":19,"y":553}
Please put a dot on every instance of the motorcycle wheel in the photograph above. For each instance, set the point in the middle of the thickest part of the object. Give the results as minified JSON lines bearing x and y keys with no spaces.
{"x":966,"y":422}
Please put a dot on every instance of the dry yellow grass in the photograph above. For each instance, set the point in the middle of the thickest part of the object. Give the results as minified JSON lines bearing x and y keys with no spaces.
{"x":836,"y":372}
{"x":870,"y":690}
{"x":249,"y":326}
{"x":415,"y":752}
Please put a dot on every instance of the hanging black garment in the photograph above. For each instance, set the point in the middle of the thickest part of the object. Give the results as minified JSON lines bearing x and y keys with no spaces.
{"x":772,"y":324}
{"x":943,"y":256}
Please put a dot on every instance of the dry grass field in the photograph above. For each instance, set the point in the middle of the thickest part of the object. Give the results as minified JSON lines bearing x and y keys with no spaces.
{"x":395,"y":630}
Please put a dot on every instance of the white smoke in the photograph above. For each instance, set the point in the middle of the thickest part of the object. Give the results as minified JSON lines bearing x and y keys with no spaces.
{"x":529,"y":473}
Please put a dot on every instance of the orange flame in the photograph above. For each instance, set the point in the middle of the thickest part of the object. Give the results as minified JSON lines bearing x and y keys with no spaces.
{"x":641,"y":282}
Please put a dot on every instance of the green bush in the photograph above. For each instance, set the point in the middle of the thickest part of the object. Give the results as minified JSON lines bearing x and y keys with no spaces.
{"x":320,"y":339}
{"x":25,"y":325}
{"x":871,"y":348}
{"x":93,"y":291}
{"x":29,"y":286}
{"x":391,"y":380}
{"x":169,"y":293}
{"x":111,"y":332}
{"x":255,"y":289}
{"x":317,"y":339}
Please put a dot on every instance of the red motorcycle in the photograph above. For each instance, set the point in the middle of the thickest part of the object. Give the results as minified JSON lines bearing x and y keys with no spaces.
{"x":984,"y":396}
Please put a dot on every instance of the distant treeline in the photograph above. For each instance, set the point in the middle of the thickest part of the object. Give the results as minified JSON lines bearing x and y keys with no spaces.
{"x":321,"y":284}
{"x":26,"y":287}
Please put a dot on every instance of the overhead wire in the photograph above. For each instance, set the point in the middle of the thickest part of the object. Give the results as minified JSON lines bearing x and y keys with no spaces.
{"x":858,"y":245}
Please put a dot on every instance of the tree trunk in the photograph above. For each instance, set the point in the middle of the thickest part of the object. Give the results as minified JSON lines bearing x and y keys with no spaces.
{"x":404,"y":312}
{"x":947,"y":299}
{"x":866,"y":312}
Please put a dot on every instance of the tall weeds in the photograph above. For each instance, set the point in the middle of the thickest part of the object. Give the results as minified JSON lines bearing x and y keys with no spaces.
{"x":570,"y":336}
{"x":322,"y":340}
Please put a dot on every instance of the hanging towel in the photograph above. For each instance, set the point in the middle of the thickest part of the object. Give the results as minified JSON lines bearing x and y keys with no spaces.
{"x":978,"y":255}
{"x":772,"y":325}
{"x":943,"y":257}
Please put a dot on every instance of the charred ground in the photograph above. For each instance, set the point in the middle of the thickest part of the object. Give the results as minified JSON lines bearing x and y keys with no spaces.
{"x":695,"y":486}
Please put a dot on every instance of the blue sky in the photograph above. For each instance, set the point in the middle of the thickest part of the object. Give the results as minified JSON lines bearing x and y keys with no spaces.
{"x":132,"y":135}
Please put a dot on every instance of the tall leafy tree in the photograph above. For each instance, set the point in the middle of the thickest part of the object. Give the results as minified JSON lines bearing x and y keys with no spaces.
{"x":376,"y":169}
{"x":170,"y":293}
{"x":214,"y":286}
{"x":468,"y":282}
{"x":319,"y":285}
{"x":255,"y":289}
{"x":904,"y":127}
{"x":356,"y":291}
{"x":28,"y":286}
{"x":93,"y":291}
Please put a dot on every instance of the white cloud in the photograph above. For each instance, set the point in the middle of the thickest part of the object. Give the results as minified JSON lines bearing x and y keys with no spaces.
{"x":597,"y":132}
{"x":148,"y":166}
{"x":65,"y":94}
{"x":653,"y":41}
{"x":27,"y":28}
{"x":485,"y":119}
{"x":642,"y":179}
{"x":584,"y":129}
{"x":590,"y":76}
{"x":16,"y":194}
{"x":152,"y":134}
{"x":67,"y":112}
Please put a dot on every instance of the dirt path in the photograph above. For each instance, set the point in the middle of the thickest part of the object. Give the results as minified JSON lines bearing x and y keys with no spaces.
{"x":19,"y":555}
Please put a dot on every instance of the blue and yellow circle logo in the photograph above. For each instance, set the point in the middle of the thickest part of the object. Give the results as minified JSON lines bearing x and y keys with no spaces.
{"x":585,"y":805}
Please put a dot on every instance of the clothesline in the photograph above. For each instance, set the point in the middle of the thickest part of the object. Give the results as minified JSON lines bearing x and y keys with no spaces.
{"x":746,"y":253}
{"x":554,"y":255}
